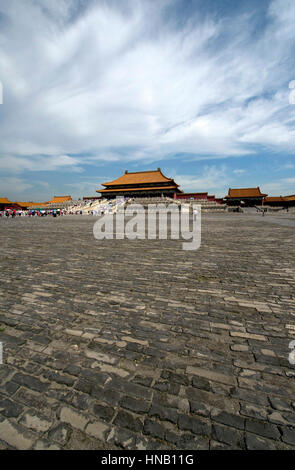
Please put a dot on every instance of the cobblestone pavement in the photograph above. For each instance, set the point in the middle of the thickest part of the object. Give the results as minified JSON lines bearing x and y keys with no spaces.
{"x":141,"y":345}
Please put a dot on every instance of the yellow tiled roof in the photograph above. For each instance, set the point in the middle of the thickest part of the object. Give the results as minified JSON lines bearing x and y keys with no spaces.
{"x":140,"y":177}
{"x":245,"y":192}
{"x":135,"y":189}
{"x":4,"y":200}
{"x":58,"y":199}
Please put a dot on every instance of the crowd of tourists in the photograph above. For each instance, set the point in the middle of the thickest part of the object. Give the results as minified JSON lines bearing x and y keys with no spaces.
{"x":11,"y":213}
{"x":87,"y":207}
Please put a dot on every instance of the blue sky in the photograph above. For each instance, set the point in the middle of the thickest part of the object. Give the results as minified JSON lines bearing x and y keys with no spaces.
{"x":94,"y":87}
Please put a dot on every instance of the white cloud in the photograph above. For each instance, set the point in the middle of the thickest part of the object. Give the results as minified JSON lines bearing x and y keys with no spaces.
{"x":288,"y":166}
{"x":39,"y":163}
{"x":18,"y":185}
{"x":108,"y":77}
{"x":211,"y":179}
{"x":239,"y":171}
{"x":84,"y":188}
{"x":282,"y":187}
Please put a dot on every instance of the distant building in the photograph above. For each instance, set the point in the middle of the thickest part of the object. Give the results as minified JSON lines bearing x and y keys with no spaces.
{"x":56,"y":201}
{"x":59,"y":199}
{"x":17,"y":205}
{"x":245,"y":196}
{"x":277,"y":201}
{"x":27,"y":205}
{"x":280,"y":201}
{"x":290,"y":200}
{"x":4,"y":202}
{"x":198,"y":197}
{"x":89,"y":198}
{"x":140,"y":184}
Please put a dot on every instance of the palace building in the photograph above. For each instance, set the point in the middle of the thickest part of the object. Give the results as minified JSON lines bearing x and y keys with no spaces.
{"x":4,"y":202}
{"x":56,"y":201}
{"x":290,"y":200}
{"x":280,"y":201}
{"x":246,"y":196}
{"x":140,"y":184}
{"x":276,"y":201}
{"x":59,"y":199}
{"x":204,"y":197}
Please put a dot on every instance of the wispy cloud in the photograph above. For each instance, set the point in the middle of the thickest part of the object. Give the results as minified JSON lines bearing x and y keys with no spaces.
{"x":18,"y":185}
{"x":17,"y":164}
{"x":92,"y":82}
{"x":211,"y":178}
{"x":100,"y":80}
{"x":289,"y":166}
{"x":87,"y":188}
{"x":281,"y":187}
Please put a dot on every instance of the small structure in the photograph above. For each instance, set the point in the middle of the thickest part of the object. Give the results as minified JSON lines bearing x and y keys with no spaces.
{"x":90,"y":198}
{"x":140,"y":184}
{"x":28,"y":205}
{"x":58,"y":202}
{"x":60,"y":199}
{"x":245,"y":197}
{"x":276,"y":201}
{"x":5,"y":203}
{"x":198,"y":197}
{"x":290,"y":200}
{"x":280,"y":201}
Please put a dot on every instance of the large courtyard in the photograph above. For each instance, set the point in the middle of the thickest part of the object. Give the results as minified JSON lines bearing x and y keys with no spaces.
{"x":141,"y":345}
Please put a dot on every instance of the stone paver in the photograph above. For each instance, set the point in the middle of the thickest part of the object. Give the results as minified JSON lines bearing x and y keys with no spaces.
{"x":140,"y":345}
